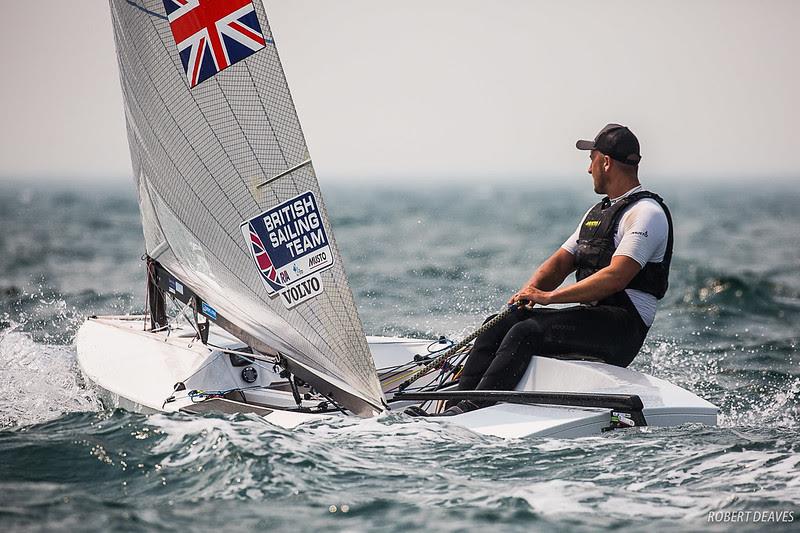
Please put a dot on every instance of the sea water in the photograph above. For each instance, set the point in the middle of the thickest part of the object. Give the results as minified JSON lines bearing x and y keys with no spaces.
{"x":424,"y":261}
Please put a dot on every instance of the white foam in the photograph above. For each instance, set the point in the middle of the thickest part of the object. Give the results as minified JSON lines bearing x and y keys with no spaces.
{"x":39,"y":382}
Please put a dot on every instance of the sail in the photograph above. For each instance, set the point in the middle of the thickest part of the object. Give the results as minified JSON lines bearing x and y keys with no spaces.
{"x":229,"y":200}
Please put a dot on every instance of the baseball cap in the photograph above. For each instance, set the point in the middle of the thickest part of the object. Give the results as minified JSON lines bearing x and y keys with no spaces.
{"x":615,"y":141}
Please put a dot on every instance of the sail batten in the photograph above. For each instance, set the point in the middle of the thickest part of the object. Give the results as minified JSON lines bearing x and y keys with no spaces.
{"x":202,"y":143}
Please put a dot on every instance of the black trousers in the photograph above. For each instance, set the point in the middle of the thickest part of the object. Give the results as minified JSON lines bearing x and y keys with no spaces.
{"x":501,"y":355}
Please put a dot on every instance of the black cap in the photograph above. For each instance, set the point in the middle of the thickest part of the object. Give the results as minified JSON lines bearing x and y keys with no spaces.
{"x":615,"y":141}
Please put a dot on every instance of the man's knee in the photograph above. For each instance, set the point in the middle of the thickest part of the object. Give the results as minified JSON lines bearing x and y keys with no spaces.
{"x":529,"y":330}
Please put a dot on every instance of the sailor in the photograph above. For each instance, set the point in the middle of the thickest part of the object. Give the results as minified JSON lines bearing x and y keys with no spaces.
{"x":620,"y":253}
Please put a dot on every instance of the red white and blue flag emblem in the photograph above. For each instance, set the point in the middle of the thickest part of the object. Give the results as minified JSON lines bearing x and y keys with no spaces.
{"x":265,"y":265}
{"x":212,"y":35}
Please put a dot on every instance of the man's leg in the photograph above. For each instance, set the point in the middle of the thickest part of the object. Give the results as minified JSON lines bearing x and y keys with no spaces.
{"x":486,"y":345}
{"x":612,"y":334}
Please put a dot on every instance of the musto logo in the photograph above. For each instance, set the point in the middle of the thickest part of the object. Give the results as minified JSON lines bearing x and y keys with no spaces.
{"x":290,"y":248}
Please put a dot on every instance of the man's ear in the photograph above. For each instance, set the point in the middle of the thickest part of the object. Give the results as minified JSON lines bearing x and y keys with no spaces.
{"x":606,"y":163}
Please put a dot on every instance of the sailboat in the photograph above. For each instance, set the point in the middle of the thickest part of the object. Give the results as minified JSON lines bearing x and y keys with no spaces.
{"x":249,"y":309}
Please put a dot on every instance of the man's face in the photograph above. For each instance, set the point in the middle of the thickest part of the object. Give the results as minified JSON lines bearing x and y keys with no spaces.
{"x":597,"y":170}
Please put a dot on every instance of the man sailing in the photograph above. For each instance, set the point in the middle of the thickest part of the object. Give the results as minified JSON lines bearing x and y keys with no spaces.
{"x":620,"y":254}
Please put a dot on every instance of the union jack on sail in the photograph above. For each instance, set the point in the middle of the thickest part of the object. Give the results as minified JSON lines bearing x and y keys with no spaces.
{"x":212,"y":35}
{"x":265,"y":265}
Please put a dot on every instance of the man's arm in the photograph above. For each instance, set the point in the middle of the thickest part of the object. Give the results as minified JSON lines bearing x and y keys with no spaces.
{"x":645,"y":232}
{"x":599,"y":285}
{"x":550,"y":274}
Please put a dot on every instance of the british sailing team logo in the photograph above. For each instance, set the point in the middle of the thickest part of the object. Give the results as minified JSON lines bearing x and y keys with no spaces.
{"x":290,"y":248}
{"x":212,"y":35}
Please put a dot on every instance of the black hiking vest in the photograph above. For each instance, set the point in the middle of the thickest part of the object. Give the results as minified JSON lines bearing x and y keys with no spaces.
{"x":596,"y":246}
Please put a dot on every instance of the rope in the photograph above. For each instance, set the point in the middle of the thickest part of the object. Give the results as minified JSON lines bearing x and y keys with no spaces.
{"x":397,"y":373}
{"x":400,"y":377}
{"x":439,"y":360}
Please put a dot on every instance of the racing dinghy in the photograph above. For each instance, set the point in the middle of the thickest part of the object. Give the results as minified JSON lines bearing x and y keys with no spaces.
{"x":248,"y":305}
{"x":172,"y":370}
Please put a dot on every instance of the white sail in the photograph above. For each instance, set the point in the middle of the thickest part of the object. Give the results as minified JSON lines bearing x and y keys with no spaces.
{"x":229,"y":199}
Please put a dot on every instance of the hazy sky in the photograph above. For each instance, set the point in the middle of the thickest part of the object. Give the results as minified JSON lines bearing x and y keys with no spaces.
{"x":456,"y":89}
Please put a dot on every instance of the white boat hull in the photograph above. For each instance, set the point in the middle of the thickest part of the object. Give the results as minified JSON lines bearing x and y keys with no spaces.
{"x":138,"y":370}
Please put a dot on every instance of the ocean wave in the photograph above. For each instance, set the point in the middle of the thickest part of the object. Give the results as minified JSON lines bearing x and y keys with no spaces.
{"x":377,"y":473}
{"x":50,"y":316}
{"x":764,"y":395}
{"x":745,"y":294}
